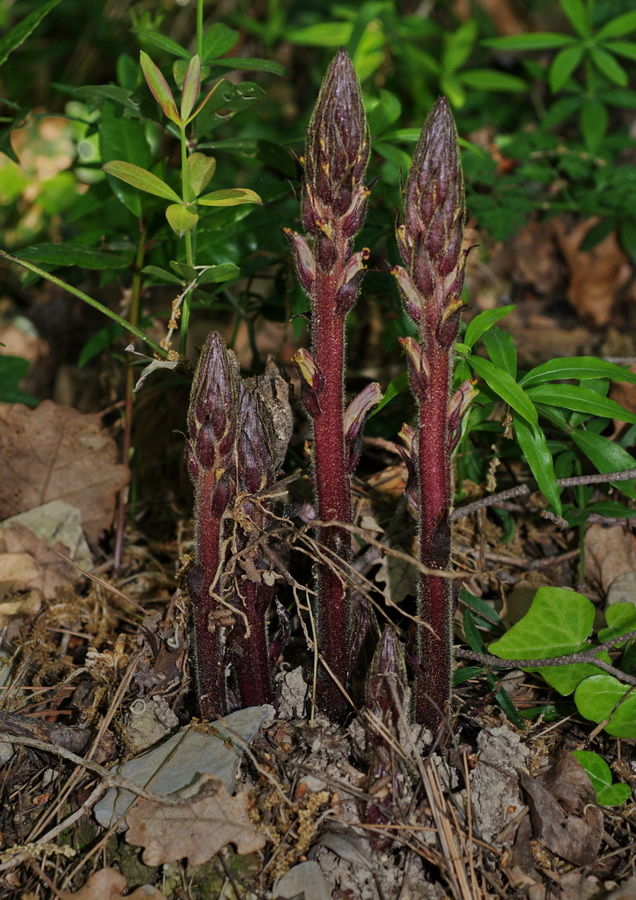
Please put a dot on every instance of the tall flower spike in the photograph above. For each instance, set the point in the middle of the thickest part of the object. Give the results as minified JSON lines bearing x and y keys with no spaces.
{"x":334,"y":201}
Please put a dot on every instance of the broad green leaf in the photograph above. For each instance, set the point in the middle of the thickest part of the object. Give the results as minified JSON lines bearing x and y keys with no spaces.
{"x":609,"y":66}
{"x":323,"y":34}
{"x":162,"y":42}
{"x":534,"y":447}
{"x":505,"y":387}
{"x":491,"y":80}
{"x":217,"y":40}
{"x":564,"y":63}
{"x":69,"y":254}
{"x":623,"y":48}
{"x":623,"y":24}
{"x":594,"y":121}
{"x":200,"y":169}
{"x":191,"y":85}
{"x":558,"y":623}
{"x":229,"y":197}
{"x":607,"y":792}
{"x":96,"y":95}
{"x":122,"y":138}
{"x":620,"y":618}
{"x":247,"y":64}
{"x":579,"y":399}
{"x":141,"y":179}
{"x":578,"y":15}
{"x":597,"y":699}
{"x":581,"y":367}
{"x":538,"y":40}
{"x":12,"y":370}
{"x":159,"y":88}
{"x":20,"y":32}
{"x":607,"y":456}
{"x":485,"y":320}
{"x":501,"y":350}
{"x":181,"y":219}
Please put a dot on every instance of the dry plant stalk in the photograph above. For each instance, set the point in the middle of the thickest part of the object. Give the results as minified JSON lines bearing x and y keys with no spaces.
{"x":430,"y":242}
{"x":334,"y":201}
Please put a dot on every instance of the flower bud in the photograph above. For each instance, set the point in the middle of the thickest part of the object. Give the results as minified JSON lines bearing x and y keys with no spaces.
{"x":312,"y":381}
{"x":303,"y":259}
{"x":349,"y":282}
{"x":418,"y":366}
{"x":355,"y":417}
{"x":411,"y":299}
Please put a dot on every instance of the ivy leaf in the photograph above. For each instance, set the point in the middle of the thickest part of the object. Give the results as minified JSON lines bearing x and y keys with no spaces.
{"x":598,"y":698}
{"x":141,"y":179}
{"x":607,"y":792}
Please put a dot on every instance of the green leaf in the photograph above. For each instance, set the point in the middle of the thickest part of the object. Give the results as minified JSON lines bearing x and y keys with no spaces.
{"x":217,"y":40}
{"x":620,"y":618}
{"x":24,"y":29}
{"x":534,"y":447}
{"x":558,"y":623}
{"x":159,"y":88}
{"x":502,"y":350}
{"x":248,"y":64}
{"x":181,"y":219}
{"x":12,"y":370}
{"x":323,"y":34}
{"x":577,"y":13}
{"x":607,"y":456}
{"x":485,"y":320}
{"x":69,"y":254}
{"x":191,"y":86}
{"x":623,"y":48}
{"x":229,"y":197}
{"x":538,"y":40}
{"x":563,"y":65}
{"x":597,"y":699}
{"x":163,"y":275}
{"x":607,"y":792}
{"x":581,"y":367}
{"x":200,"y":169}
{"x":491,"y":80}
{"x":579,"y":399}
{"x":465,"y":673}
{"x":217,"y":274}
{"x":141,"y":179}
{"x":609,"y":66}
{"x":99,"y":342}
{"x":505,"y":387}
{"x":162,"y":42}
{"x":395,"y":387}
{"x":122,"y":138}
{"x":480,"y":607}
{"x":623,"y":24}
{"x":594,"y":121}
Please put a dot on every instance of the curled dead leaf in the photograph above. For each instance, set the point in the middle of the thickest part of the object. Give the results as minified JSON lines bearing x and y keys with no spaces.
{"x":109,"y":884}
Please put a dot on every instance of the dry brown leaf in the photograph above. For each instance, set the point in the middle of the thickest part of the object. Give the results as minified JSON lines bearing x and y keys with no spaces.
{"x":52,"y":573}
{"x":17,"y":571}
{"x":196,"y":828}
{"x":56,"y":453}
{"x":15,"y":607}
{"x":108,"y":884}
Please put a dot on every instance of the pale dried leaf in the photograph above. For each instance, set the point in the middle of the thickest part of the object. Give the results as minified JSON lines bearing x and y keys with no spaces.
{"x":109,"y":884}
{"x":196,"y":828}
{"x":52,"y":573}
{"x":56,"y":453}
{"x":14,"y":607}
{"x":17,"y":571}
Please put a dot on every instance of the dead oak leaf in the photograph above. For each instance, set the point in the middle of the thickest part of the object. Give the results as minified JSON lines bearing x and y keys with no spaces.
{"x":57,"y":453}
{"x":196,"y":828}
{"x":108,"y":884}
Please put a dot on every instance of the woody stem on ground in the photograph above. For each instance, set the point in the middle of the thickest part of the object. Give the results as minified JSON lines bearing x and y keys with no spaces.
{"x":430,"y":242}
{"x":334,"y":200}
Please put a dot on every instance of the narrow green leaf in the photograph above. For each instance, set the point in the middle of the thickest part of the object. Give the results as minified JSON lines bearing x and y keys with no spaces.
{"x":538,"y":40}
{"x":191,"y":86}
{"x":505,"y":387}
{"x":324,"y":34}
{"x":563,"y":65}
{"x":200,"y":169}
{"x":491,"y":80}
{"x":162,"y":275}
{"x":577,"y":13}
{"x":20,"y":32}
{"x":395,"y":387}
{"x":480,"y":607}
{"x":534,"y":447}
{"x":623,"y":24}
{"x":12,"y":370}
{"x":607,"y":456}
{"x":141,"y":179}
{"x":603,"y":697}
{"x":162,"y":42}
{"x":217,"y":40}
{"x":159,"y":88}
{"x":485,"y":320}
{"x":181,"y":219}
{"x":217,"y":274}
{"x":230,"y":197}
{"x":609,"y":66}
{"x":69,"y":254}
{"x":99,"y":342}
{"x":502,"y":350}
{"x":581,"y":367}
{"x":579,"y":399}
{"x":247,"y":64}
{"x":623,"y":48}
{"x":594,"y":121}
{"x":203,"y":102}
